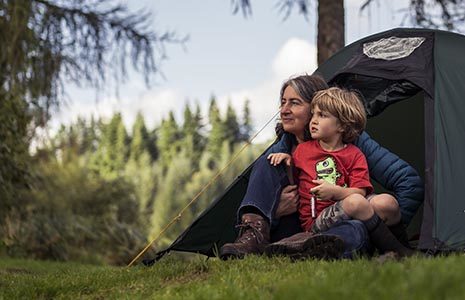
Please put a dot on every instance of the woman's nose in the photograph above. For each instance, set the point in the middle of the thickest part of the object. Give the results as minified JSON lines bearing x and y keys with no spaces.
{"x":285,"y":109}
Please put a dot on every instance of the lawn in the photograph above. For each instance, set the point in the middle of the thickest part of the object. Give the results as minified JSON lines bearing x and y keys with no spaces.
{"x":251,"y":278}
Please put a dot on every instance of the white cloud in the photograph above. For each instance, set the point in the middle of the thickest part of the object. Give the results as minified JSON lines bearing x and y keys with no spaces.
{"x":295,"y":57}
{"x":154,"y":105}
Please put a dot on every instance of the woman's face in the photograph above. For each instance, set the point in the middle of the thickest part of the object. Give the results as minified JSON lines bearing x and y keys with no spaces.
{"x":295,"y":113}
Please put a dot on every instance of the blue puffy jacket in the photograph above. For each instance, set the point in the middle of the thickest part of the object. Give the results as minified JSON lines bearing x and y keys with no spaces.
{"x":393,"y":173}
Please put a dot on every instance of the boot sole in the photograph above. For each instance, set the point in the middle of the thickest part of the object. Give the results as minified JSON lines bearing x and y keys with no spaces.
{"x":232,"y":253}
{"x":318,"y":247}
{"x":288,"y":249}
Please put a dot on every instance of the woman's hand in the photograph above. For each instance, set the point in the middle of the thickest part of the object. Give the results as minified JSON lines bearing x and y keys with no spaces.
{"x":277,"y":158}
{"x":288,"y":202}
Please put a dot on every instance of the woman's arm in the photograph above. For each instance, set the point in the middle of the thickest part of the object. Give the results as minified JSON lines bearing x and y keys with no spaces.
{"x":394,"y":174}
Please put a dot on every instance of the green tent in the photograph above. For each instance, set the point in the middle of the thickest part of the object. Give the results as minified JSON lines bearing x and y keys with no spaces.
{"x":411,"y":84}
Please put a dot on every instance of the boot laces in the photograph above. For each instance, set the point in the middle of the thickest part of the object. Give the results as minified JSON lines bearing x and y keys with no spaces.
{"x":247,"y":229}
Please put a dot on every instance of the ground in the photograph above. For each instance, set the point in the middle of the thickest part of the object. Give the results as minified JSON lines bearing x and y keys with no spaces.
{"x":251,"y":278}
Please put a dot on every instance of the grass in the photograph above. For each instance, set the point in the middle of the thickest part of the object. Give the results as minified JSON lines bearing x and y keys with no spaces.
{"x":251,"y":278}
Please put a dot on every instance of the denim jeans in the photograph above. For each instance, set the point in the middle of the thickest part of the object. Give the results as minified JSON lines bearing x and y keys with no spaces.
{"x":263,"y":193}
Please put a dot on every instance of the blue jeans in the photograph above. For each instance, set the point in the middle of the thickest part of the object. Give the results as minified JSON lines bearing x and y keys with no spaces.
{"x":263,"y":193}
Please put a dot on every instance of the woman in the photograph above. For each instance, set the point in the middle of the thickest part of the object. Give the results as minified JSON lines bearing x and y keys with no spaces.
{"x":268,"y":211}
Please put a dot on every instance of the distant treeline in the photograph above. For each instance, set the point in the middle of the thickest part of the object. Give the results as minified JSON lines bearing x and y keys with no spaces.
{"x":97,"y":193}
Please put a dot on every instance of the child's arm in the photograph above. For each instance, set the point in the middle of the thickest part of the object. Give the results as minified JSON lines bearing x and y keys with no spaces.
{"x":277,"y":158}
{"x":326,"y":190}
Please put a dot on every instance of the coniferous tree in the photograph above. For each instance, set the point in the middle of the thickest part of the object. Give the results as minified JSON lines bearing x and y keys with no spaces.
{"x":48,"y":42}
{"x":192,"y":143}
{"x":140,"y":138}
{"x":231,"y":126}
{"x":246,"y":126}
{"x":111,"y":155}
{"x":217,"y":134}
{"x":168,"y":140}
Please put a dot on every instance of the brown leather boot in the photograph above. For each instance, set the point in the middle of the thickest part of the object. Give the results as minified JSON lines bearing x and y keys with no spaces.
{"x":307,"y":245}
{"x":254,"y":236}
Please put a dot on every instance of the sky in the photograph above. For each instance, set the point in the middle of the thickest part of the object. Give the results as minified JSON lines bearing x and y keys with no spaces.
{"x":226,"y":55}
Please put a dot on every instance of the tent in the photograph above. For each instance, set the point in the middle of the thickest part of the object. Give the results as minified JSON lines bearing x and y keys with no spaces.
{"x":411,"y":84}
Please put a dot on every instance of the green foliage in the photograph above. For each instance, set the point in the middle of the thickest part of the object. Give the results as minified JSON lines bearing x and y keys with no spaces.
{"x":231,"y":126}
{"x":246,"y":126}
{"x":71,"y":215}
{"x":98,"y":194}
{"x":47,"y":42}
{"x":217,"y":132}
{"x":168,"y":140}
{"x":140,"y":138}
{"x":112,"y":152}
{"x":192,"y":140}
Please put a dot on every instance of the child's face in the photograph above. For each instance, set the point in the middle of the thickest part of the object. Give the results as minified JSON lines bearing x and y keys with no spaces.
{"x":323,"y":125}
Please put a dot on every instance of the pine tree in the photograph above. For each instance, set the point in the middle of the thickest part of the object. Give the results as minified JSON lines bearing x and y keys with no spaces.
{"x":48,"y":43}
{"x":217,"y":134}
{"x":168,"y":140}
{"x":112,"y":152}
{"x":140,"y":138}
{"x":192,"y":141}
{"x":199,"y":139}
{"x":246,"y":126}
{"x":152,"y":143}
{"x":121,"y":149}
{"x":231,"y":126}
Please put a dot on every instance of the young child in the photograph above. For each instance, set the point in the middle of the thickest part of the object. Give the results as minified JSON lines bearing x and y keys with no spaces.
{"x":333,"y":173}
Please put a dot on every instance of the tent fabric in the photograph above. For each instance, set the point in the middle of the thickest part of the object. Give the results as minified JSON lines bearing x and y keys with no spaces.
{"x":449,"y":134}
{"x":420,"y":70}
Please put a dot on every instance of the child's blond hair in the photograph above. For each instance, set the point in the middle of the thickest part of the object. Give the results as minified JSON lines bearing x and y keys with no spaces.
{"x":346,"y":106}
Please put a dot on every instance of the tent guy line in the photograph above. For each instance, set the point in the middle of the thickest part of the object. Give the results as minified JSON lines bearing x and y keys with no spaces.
{"x":217,"y":175}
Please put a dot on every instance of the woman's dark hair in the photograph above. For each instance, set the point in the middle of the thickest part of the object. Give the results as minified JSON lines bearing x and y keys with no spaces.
{"x":305,"y":86}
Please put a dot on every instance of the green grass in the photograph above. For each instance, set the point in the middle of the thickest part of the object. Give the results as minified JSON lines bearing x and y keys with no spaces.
{"x":251,"y":278}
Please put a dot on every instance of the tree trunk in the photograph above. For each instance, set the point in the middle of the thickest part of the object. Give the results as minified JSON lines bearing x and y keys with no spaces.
{"x":331,"y":29}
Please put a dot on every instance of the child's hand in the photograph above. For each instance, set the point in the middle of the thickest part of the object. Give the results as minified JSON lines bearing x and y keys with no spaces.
{"x":277,"y":158}
{"x":324,"y":190}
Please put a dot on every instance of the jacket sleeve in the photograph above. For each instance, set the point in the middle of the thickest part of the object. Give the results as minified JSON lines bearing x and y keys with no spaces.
{"x":393,"y":174}
{"x":283,"y":145}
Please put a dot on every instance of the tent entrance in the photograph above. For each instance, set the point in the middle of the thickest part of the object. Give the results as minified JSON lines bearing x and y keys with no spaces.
{"x":396,"y":112}
{"x":400,"y":128}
